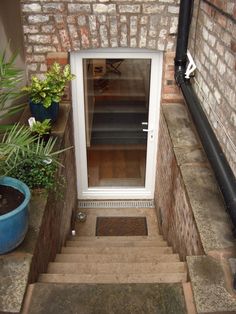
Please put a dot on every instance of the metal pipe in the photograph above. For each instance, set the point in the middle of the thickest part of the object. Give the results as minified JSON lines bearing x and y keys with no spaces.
{"x":223,"y":172}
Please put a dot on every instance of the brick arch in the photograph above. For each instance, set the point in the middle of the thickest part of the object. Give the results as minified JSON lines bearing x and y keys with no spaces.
{"x":62,"y":26}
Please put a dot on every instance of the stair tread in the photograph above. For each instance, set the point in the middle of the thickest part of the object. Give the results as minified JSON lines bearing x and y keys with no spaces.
{"x":118,"y":250}
{"x":114,"y":278}
{"x":100,"y":258}
{"x":116,"y":238}
{"x":103,"y":243}
{"x":115,"y":268}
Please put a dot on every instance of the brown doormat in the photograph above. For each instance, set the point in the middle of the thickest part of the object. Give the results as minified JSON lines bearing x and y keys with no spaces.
{"x":121,"y":226}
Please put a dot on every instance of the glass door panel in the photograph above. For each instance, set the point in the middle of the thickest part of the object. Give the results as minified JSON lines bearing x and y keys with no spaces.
{"x":116,"y":104}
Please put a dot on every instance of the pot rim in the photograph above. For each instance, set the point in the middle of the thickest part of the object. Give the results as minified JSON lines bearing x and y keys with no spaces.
{"x":20,"y":186}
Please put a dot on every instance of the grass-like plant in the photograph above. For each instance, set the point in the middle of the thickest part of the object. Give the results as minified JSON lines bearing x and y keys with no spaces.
{"x":10,"y":77}
{"x":33,"y":162}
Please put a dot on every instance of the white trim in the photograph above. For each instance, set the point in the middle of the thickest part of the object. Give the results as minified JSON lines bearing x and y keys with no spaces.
{"x":79,"y":124}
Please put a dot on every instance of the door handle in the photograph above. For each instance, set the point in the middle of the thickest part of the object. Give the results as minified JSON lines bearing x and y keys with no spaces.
{"x":147,"y":130}
{"x":144,"y":123}
{"x":150,"y":132}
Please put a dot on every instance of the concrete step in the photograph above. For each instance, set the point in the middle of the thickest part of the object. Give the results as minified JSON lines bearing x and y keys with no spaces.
{"x":117,"y":258}
{"x":114,"y":278}
{"x":116,"y":268}
{"x":49,"y":298}
{"x":118,"y":239}
{"x":142,"y":251}
{"x":103,"y":243}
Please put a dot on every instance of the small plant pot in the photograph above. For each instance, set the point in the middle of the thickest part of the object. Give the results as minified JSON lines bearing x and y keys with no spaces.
{"x":45,"y":137}
{"x":14,"y":224}
{"x":41,"y":113}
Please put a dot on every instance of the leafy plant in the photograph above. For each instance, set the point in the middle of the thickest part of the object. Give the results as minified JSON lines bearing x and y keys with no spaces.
{"x":50,"y":89}
{"x":35,"y":163}
{"x":10,"y":77}
{"x":41,"y":128}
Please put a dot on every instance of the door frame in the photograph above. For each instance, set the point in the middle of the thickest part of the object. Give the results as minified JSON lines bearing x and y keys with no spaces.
{"x":84,"y":192}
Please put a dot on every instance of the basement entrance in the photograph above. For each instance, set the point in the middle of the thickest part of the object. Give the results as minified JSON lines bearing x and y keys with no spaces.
{"x":116,"y":107}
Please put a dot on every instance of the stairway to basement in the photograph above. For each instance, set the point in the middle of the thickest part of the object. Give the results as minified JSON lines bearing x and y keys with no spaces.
{"x":112,"y":274}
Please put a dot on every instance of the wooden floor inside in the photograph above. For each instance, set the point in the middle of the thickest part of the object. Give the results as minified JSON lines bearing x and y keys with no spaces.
{"x":116,"y":167}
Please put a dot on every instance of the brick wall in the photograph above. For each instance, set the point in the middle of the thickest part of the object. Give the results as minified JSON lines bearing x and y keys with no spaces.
{"x":62,"y":26}
{"x":174,"y":211}
{"x":59,"y":209}
{"x":213,"y":45}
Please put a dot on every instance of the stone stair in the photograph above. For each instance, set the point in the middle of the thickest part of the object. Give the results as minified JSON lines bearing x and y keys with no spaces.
{"x":113,"y":260}
{"x":112,"y":274}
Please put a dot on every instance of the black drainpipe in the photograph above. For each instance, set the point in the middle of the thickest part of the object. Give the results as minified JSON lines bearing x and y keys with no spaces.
{"x":224,"y":175}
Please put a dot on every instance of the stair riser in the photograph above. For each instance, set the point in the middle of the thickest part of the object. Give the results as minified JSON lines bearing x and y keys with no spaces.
{"x":103,"y":279}
{"x":140,"y":251}
{"x":116,"y":258}
{"x":104,"y":244}
{"x":115,"y":268}
{"x":119,"y":239}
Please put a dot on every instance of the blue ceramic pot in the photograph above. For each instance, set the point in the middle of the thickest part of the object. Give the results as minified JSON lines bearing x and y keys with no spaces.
{"x":14,"y":225}
{"x":41,"y":113}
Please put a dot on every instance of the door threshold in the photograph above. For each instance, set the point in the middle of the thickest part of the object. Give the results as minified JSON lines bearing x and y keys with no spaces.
{"x":116,"y":203}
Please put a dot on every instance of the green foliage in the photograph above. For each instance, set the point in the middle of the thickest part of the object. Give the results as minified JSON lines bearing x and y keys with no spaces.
{"x":10,"y":77}
{"x":36,"y":173}
{"x":50,"y":89}
{"x":42,"y":128}
{"x":35,"y":163}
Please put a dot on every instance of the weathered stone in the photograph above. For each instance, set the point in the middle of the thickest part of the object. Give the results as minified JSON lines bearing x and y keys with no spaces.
{"x":153,"y":8}
{"x":123,"y":36}
{"x":93,"y":24}
{"x":31,"y":29}
{"x":180,"y":126}
{"x":39,"y":39}
{"x":207,"y":204}
{"x":79,"y":8}
{"x":43,"y":49}
{"x":102,"y":18}
{"x":81,"y":20}
{"x":173,"y":9}
{"x":143,"y":37}
{"x":133,"y":42}
{"x":128,"y":8}
{"x":103,"y":36}
{"x":48,"y":29}
{"x":104,"y":8}
{"x":73,"y":31}
{"x":133,"y":25}
{"x":135,"y":298}
{"x":113,"y":26}
{"x":14,"y":277}
{"x":209,"y":288}
{"x":84,"y":37}
{"x":114,"y":42}
{"x":53,"y":7}
{"x":152,"y":44}
{"x":37,"y":19}
{"x":33,"y":8}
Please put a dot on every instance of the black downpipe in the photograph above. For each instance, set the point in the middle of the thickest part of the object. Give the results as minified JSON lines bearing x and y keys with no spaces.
{"x":224,"y":175}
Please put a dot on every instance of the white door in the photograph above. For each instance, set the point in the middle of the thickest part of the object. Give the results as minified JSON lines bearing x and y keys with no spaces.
{"x":116,"y":104}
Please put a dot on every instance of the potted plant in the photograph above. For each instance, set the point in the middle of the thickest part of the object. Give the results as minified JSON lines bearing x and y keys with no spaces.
{"x":24,"y":164}
{"x":14,"y":194}
{"x":45,"y":94}
{"x":17,"y":147}
{"x":41,"y":129}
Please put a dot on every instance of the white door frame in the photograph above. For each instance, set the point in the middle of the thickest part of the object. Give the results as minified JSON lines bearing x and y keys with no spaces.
{"x":84,"y":192}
